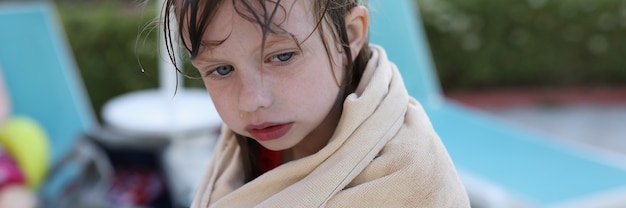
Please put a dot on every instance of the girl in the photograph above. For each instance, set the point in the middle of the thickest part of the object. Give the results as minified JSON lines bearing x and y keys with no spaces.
{"x":314,"y":115}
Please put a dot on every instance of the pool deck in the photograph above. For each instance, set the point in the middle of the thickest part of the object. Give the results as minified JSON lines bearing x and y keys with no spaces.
{"x":591,"y":117}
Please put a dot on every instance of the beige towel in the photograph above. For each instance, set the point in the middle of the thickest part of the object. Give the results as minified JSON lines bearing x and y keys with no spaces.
{"x":384,"y":153}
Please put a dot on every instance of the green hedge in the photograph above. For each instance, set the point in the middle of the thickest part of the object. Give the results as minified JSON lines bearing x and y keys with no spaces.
{"x":487,"y":43}
{"x":108,"y":48}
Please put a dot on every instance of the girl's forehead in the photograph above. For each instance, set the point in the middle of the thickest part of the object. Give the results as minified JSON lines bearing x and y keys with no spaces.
{"x":279,"y":12}
{"x":292,"y":16}
{"x":233,"y":25}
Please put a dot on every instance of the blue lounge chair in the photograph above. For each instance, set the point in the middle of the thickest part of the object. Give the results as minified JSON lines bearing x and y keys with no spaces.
{"x":43,"y":83}
{"x":529,"y":170}
{"x":41,"y":74}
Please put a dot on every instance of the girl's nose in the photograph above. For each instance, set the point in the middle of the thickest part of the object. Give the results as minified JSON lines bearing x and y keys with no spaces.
{"x":253,"y":92}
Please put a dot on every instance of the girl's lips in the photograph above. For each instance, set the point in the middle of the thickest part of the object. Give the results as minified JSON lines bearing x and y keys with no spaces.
{"x":269,"y":131}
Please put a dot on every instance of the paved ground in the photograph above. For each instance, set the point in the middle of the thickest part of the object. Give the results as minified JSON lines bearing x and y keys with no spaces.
{"x":595,"y":125}
{"x":592,"y":117}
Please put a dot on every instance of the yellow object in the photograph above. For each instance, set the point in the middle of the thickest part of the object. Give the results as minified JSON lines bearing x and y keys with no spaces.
{"x":27,"y":142}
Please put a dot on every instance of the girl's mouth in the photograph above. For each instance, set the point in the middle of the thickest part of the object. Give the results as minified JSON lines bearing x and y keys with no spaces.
{"x":269,"y":131}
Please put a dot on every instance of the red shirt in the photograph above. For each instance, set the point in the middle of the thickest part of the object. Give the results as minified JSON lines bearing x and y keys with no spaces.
{"x":268,"y":159}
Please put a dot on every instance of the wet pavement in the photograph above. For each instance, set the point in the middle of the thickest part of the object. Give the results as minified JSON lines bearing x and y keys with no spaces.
{"x":593,"y":118}
{"x":601,"y":127}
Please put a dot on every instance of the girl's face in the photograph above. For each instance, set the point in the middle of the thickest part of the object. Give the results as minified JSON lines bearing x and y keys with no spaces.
{"x":282,"y":96}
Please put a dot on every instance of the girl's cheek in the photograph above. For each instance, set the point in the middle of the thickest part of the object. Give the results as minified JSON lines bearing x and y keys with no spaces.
{"x":226,"y":106}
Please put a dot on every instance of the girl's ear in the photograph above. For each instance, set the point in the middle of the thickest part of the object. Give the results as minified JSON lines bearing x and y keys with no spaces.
{"x":357,"y":25}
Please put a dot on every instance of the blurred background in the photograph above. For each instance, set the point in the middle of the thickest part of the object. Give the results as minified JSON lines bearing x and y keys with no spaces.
{"x":554,"y":67}
{"x":112,"y":42}
{"x":531,"y":43}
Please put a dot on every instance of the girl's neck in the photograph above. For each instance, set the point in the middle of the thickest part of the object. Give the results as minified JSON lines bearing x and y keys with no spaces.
{"x":318,"y":138}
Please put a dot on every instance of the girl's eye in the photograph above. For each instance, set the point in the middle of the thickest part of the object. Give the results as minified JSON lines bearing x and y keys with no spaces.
{"x":222,"y":71}
{"x":283,"y":57}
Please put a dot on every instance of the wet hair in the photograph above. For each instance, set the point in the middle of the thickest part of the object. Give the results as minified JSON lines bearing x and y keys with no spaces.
{"x":194,"y":16}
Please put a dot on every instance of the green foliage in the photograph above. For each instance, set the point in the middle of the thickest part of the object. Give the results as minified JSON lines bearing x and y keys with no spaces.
{"x":112,"y":41}
{"x":483,"y":43}
{"x":103,"y":40}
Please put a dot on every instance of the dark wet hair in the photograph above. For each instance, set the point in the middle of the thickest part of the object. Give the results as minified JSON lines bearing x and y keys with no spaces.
{"x":194,"y":16}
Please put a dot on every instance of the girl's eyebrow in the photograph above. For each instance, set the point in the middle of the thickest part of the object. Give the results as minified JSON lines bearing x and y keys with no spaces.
{"x":210,"y":45}
{"x":285,"y":36}
{"x":274,"y":39}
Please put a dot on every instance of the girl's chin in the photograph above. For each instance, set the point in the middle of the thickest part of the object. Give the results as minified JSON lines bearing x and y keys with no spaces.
{"x":273,"y":147}
{"x":276,"y":145}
